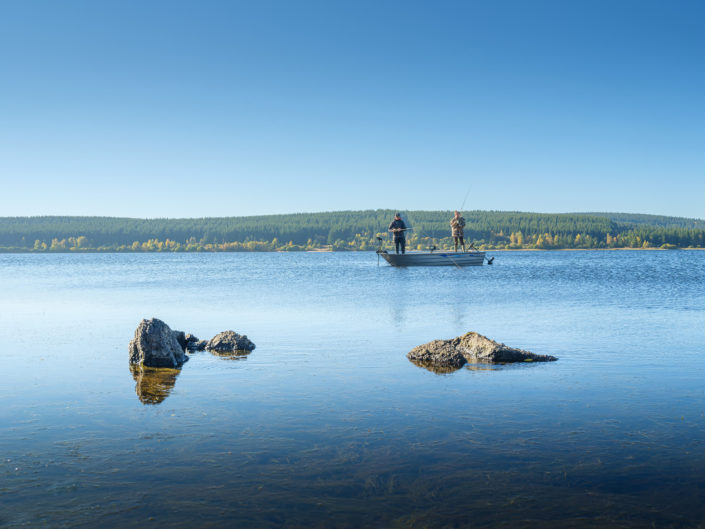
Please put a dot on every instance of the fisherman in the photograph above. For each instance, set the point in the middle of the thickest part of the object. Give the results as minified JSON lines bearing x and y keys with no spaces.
{"x":397,"y":227}
{"x":457,"y":223}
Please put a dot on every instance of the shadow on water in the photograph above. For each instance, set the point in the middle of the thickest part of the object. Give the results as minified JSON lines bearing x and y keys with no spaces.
{"x":153,"y":384}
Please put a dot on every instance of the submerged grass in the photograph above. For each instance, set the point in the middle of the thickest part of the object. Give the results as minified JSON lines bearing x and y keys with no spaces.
{"x":351,"y":478}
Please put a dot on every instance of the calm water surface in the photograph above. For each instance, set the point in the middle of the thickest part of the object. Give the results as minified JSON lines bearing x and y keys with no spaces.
{"x":326,"y":423}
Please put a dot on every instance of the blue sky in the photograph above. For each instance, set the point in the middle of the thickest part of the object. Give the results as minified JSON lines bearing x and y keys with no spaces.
{"x":189,"y":109}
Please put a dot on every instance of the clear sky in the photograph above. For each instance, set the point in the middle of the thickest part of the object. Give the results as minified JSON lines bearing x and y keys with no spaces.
{"x":204,"y":108}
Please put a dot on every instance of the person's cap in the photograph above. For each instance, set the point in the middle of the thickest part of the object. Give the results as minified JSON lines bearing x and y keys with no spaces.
{"x":397,"y":214}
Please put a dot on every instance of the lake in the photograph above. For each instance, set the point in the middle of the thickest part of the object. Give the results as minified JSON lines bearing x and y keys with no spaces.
{"x":326,"y":423}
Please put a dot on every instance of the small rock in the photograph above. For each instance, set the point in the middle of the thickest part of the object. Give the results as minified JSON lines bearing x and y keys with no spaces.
{"x":229,"y":341}
{"x":194,"y":344}
{"x":156,"y":345}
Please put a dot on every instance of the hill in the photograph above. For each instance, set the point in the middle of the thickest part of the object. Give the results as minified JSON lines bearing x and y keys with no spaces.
{"x":651,"y":220}
{"x":353,"y":230}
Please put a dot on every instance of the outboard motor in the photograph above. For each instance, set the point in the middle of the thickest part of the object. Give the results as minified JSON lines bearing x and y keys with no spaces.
{"x":379,"y":250}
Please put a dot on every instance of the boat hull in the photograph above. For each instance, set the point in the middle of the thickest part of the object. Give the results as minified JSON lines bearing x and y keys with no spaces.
{"x":434,"y":258}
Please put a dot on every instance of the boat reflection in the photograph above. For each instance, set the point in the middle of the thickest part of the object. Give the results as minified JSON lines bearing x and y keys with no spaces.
{"x":153,"y":384}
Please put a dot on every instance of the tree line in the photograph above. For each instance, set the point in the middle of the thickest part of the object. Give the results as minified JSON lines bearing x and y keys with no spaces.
{"x":347,"y":230}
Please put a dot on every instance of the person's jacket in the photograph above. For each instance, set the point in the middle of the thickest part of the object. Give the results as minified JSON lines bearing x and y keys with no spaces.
{"x":457,"y":224}
{"x":397,"y":224}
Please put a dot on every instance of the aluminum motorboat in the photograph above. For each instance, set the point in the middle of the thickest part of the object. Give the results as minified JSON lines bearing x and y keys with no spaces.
{"x":419,"y":258}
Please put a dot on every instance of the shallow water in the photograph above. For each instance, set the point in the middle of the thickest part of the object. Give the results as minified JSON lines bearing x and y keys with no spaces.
{"x":326,"y":423}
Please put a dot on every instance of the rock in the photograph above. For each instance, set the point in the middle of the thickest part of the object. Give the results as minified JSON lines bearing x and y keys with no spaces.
{"x":156,"y":345}
{"x":181,"y":338}
{"x":229,"y":342}
{"x":194,"y":344}
{"x":473,"y":348}
{"x":441,"y":353}
{"x":480,"y":349}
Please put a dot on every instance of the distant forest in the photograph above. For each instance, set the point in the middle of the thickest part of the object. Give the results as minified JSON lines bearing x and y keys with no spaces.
{"x":348,"y":230}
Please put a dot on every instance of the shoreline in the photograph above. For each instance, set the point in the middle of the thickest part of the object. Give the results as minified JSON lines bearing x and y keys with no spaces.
{"x":93,"y":251}
{"x":588,"y":249}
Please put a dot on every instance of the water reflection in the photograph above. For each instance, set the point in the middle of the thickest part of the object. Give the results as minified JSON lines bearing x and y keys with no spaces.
{"x":482,"y":367}
{"x":612,"y":436}
{"x":153,"y":384}
{"x":435,"y":368}
{"x":446,"y":370}
{"x":231,"y":355}
{"x":398,"y":309}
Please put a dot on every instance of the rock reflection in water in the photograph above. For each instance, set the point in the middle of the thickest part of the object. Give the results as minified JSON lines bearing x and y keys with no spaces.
{"x":231,"y":355}
{"x":481,"y":367}
{"x":436,"y":368}
{"x":153,"y":384}
{"x":446,"y":370}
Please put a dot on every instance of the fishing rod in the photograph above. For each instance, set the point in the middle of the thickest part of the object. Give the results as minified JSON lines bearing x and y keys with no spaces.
{"x":462,"y":206}
{"x":452,"y":261}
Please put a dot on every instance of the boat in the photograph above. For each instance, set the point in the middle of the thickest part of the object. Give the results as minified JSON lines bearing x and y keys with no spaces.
{"x":420,"y":258}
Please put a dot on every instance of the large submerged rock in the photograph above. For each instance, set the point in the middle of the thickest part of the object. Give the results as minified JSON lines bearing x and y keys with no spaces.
{"x":473,"y":348}
{"x":156,"y":345}
{"x":229,"y":342}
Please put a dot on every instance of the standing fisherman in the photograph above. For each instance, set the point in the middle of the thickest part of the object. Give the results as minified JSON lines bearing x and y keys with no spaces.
{"x":397,"y":227}
{"x":457,"y":223}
